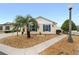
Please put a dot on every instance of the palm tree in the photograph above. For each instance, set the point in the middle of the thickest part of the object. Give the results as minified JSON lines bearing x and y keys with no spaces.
{"x":30,"y":21}
{"x":18,"y":23}
{"x":16,"y":26}
{"x":26,"y":21}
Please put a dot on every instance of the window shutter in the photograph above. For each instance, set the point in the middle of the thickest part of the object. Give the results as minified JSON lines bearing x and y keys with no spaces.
{"x":49,"y":28}
{"x":43,"y":27}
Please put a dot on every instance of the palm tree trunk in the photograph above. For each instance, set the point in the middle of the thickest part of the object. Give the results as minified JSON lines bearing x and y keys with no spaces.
{"x":17,"y":30}
{"x":28,"y":32}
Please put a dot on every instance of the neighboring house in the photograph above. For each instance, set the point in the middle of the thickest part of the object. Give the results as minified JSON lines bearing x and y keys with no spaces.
{"x":6,"y":27}
{"x":46,"y":26}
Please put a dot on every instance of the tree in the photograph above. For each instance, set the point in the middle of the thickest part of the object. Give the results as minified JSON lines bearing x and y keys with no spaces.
{"x":18,"y":23}
{"x":65,"y":26}
{"x":16,"y":26}
{"x":29,"y":20}
{"x":26,"y":21}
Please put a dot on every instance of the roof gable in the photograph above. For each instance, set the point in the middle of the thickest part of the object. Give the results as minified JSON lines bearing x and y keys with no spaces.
{"x":46,"y":19}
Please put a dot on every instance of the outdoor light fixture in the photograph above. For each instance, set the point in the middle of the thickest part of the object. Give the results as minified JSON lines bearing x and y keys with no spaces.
{"x":70,"y":24}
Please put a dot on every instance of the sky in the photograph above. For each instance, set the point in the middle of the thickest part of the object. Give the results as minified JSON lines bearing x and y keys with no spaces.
{"x":57,"y":12}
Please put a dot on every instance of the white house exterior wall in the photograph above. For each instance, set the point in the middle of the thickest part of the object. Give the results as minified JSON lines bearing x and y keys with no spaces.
{"x":40,"y":29}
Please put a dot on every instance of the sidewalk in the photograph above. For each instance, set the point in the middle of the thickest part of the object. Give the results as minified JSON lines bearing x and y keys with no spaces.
{"x":3,"y":35}
{"x":35,"y":50}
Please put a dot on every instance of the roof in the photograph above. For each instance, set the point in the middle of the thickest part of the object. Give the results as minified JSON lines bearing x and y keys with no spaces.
{"x":46,"y":19}
{"x":8,"y":23}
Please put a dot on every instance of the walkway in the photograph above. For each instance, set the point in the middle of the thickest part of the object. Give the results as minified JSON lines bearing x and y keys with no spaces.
{"x":31,"y":50}
{"x":3,"y":35}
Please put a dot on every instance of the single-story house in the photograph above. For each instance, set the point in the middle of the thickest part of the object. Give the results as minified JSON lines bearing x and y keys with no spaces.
{"x":6,"y":27}
{"x":46,"y":26}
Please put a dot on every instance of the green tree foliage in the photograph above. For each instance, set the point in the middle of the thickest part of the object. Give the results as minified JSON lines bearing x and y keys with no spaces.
{"x":22,"y":21}
{"x":65,"y":25}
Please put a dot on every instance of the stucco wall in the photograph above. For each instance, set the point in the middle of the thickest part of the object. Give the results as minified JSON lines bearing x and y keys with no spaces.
{"x":41,"y":22}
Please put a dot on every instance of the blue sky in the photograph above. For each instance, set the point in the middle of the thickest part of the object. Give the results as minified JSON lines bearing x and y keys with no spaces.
{"x":56,"y":12}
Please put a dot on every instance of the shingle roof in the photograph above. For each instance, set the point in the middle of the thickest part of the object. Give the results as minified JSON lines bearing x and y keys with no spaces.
{"x":46,"y":19}
{"x":8,"y":23}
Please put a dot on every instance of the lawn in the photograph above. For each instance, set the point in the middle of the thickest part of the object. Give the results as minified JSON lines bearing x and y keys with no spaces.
{"x":24,"y":42}
{"x":63,"y":47}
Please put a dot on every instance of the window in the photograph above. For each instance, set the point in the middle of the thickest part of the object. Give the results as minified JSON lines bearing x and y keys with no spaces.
{"x":7,"y":28}
{"x":1,"y":28}
{"x":33,"y":28}
{"x":46,"y":28}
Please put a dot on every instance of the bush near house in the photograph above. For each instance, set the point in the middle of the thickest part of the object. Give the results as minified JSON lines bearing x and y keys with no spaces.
{"x":65,"y":26}
{"x":58,"y":31}
{"x":10,"y":31}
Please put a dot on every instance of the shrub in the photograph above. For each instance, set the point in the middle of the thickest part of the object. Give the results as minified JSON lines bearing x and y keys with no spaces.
{"x":9,"y":31}
{"x":58,"y":31}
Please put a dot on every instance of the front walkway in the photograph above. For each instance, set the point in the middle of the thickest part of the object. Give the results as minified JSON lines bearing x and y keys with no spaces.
{"x":31,"y":50}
